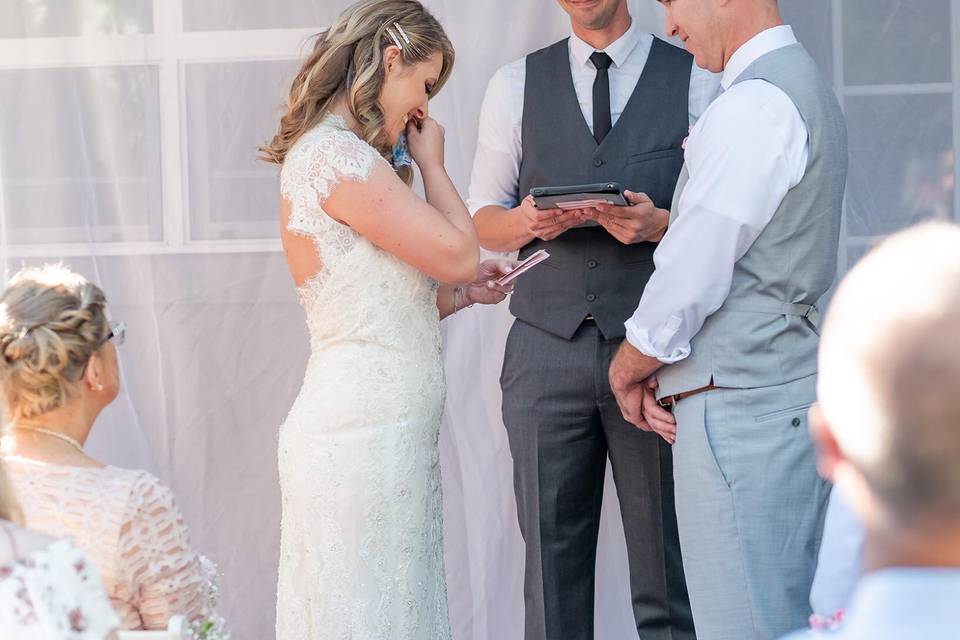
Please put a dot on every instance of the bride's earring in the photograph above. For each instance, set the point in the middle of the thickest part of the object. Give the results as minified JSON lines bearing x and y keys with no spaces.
{"x":97,"y":387}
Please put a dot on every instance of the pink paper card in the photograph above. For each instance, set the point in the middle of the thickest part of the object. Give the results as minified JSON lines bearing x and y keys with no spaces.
{"x":532,"y":260}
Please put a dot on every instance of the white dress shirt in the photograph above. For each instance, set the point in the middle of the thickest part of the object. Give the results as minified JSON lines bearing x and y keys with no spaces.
{"x":900,"y":604}
{"x":840,"y":560}
{"x":747,"y":150}
{"x":496,"y":165}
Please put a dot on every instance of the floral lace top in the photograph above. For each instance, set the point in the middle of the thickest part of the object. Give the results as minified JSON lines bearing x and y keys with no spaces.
{"x":54,"y":594}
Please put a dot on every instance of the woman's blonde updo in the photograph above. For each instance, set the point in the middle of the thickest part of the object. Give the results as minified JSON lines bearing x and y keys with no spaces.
{"x":51,"y":321}
{"x":347,"y":61}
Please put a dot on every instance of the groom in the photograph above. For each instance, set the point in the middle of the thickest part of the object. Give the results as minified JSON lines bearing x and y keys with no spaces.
{"x":750,"y":249}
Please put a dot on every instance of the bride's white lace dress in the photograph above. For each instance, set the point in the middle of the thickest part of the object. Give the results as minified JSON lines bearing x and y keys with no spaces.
{"x":361,"y":552}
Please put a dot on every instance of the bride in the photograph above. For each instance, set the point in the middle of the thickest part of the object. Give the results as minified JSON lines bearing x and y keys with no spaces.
{"x":361,"y":553}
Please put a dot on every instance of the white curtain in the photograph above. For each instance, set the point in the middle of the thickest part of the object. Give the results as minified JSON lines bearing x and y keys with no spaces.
{"x":127,"y":141}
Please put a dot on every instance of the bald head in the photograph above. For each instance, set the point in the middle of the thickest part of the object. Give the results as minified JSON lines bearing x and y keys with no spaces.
{"x":713,"y":30}
{"x":889,"y":384}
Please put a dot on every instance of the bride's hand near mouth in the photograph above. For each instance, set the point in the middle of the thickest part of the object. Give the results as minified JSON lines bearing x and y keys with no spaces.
{"x":425,"y":138}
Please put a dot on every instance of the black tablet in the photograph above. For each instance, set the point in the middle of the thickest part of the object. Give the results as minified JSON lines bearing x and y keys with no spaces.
{"x":579,"y":196}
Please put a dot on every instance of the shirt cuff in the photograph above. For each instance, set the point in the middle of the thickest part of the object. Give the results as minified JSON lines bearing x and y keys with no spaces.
{"x":641,"y":340}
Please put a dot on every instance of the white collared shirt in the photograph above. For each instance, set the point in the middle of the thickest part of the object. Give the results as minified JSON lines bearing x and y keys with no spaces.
{"x":496,"y":165}
{"x":901,"y":603}
{"x":744,"y":154}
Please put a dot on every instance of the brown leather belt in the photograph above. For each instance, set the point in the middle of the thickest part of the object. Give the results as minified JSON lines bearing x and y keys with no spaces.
{"x":669,"y":401}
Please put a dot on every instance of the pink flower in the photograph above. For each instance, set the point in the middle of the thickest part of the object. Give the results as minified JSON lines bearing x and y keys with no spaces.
{"x":826,"y":623}
{"x":78,"y":622}
{"x":683,"y":145}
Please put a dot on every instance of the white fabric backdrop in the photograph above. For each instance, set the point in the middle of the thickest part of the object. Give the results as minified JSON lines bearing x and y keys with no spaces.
{"x":127,"y":136}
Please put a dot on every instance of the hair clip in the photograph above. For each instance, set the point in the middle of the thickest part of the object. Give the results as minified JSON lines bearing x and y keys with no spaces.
{"x":395,"y":39}
{"x":24,"y":331}
{"x":402,"y":32}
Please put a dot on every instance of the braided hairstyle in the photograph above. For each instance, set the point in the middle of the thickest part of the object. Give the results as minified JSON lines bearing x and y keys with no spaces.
{"x":52,"y":321}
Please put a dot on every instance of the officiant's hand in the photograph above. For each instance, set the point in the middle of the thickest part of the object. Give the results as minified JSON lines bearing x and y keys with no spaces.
{"x":547,"y":224}
{"x":642,"y":221}
{"x":484,"y":290}
{"x":658,"y":418}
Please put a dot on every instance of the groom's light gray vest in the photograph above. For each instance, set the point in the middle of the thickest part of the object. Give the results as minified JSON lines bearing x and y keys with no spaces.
{"x":589,"y":271}
{"x":766,"y":332}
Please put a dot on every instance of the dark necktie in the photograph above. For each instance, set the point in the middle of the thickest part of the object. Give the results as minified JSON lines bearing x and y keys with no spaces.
{"x":601,"y":96}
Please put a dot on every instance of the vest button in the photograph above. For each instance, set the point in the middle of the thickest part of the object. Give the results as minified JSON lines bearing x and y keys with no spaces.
{"x":591,"y":297}
{"x":597,"y":162}
{"x":795,"y":422}
{"x":592,"y":264}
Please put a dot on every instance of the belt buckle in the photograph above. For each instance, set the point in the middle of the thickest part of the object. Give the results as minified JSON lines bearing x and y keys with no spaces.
{"x":667,"y":402}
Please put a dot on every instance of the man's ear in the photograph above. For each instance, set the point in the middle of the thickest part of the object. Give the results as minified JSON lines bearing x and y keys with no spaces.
{"x":828,"y":450}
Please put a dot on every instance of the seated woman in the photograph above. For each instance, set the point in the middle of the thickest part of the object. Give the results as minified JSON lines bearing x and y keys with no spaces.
{"x":48,"y":590}
{"x":58,"y":370}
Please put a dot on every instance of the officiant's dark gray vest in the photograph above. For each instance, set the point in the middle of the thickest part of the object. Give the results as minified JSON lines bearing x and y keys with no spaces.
{"x":590,"y":272}
{"x":767,"y":330}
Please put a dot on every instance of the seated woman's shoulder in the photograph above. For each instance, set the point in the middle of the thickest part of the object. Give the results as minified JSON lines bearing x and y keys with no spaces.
{"x":147,"y":490}
{"x":132,"y":485}
{"x":136,"y":489}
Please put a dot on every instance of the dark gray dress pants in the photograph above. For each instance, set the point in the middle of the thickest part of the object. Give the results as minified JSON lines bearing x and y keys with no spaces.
{"x":563,"y":422}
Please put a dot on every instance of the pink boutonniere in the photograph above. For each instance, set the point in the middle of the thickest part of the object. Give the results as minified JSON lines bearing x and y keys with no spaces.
{"x":826,"y":623}
{"x":683,"y":145}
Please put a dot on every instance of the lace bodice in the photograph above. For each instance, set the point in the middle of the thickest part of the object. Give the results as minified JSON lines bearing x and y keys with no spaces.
{"x":362,"y":537}
{"x":129,"y":526}
{"x":53,"y":594}
{"x":361,"y":292}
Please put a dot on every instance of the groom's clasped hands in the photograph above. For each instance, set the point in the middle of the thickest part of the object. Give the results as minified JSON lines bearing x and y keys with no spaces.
{"x":637,"y":396}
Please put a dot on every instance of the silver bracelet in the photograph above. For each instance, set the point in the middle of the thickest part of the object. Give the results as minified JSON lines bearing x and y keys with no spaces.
{"x":458,"y":297}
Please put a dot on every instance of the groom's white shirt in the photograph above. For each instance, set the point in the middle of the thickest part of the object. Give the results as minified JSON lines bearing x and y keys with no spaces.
{"x":747,"y":150}
{"x":496,"y":165}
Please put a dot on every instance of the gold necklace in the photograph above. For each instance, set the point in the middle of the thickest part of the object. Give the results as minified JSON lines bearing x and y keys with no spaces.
{"x":53,"y":434}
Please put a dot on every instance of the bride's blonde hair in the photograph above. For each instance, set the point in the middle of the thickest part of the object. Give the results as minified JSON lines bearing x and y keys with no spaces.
{"x":347,"y":61}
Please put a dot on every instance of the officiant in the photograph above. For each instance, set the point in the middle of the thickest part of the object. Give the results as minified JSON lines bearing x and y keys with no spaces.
{"x":609,"y":103}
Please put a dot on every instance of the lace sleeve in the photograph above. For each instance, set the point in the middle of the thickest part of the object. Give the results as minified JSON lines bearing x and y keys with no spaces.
{"x":162,"y":571}
{"x":320,"y":160}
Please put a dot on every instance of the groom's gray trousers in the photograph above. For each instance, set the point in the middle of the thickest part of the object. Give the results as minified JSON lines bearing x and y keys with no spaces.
{"x":563,"y":423}
{"x":750,"y":508}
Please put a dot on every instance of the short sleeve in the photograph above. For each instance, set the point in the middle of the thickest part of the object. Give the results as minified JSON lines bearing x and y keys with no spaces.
{"x":321,"y":159}
{"x":160,"y":570}
{"x":496,"y":164}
